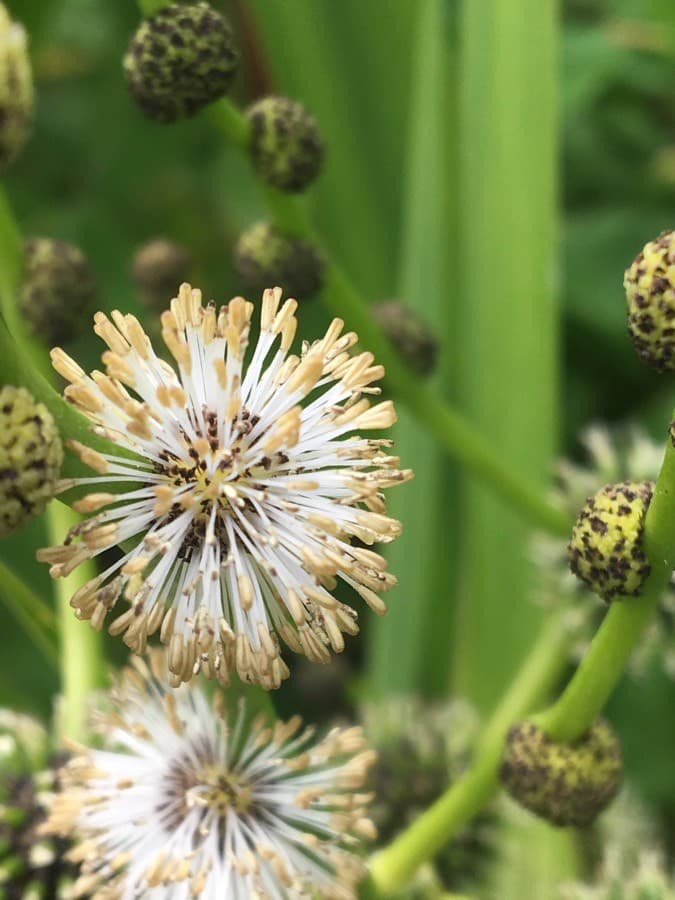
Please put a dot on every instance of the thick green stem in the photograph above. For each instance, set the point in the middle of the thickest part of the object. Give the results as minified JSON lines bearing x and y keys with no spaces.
{"x":81,"y":656}
{"x":29,"y":610}
{"x":602,"y":667}
{"x":395,"y":865}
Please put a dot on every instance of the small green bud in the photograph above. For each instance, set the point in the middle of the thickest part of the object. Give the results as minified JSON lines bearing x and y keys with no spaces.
{"x":286,"y":144}
{"x":566,"y":784}
{"x":58,"y":289}
{"x":16,"y":89}
{"x":30,"y":458}
{"x":266,"y":258}
{"x":606,"y":546}
{"x":158,"y":268}
{"x":409,"y":333}
{"x":179,"y":60}
{"x":650,"y":296}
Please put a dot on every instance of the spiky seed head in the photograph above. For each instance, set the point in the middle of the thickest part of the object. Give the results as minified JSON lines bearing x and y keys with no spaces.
{"x":30,"y":457}
{"x":409,"y":333}
{"x":58,"y":289}
{"x":16,"y":89}
{"x":566,"y":784}
{"x":159,"y":266}
{"x":650,"y":296}
{"x":179,"y":60}
{"x":606,"y":546}
{"x":286,"y":148}
{"x":264,"y":257}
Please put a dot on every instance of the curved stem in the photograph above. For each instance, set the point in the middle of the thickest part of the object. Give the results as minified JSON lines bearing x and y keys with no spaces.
{"x":459,"y":438}
{"x":600,"y":670}
{"x":392,"y":867}
{"x":81,"y":656}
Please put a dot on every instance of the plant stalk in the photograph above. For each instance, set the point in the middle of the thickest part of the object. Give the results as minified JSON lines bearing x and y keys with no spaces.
{"x":393,"y":867}
{"x":81,"y":652}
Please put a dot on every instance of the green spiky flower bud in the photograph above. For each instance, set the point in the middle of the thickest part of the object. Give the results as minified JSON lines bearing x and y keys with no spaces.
{"x":650,"y":296}
{"x":30,"y":458}
{"x":566,"y":784}
{"x":57,"y":291}
{"x":606,"y":546}
{"x":16,"y":89}
{"x":179,"y":60}
{"x":266,"y":258}
{"x":158,"y":268}
{"x":409,"y":333}
{"x":286,"y":144}
{"x":31,"y":865}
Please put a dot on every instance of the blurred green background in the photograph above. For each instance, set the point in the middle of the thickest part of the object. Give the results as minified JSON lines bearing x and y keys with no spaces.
{"x":405,"y":205}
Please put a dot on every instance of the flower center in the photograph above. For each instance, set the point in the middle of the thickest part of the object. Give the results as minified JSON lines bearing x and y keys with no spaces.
{"x":199,"y":783}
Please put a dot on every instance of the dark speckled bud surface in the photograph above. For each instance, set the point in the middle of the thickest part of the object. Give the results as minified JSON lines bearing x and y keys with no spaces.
{"x":566,"y":784}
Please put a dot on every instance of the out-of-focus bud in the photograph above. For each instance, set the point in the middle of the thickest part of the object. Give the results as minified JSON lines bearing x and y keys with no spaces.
{"x":264,"y":258}
{"x":179,"y":60}
{"x":158,"y":268}
{"x":566,"y":784}
{"x":31,"y":865}
{"x":650,"y":295}
{"x":606,"y":546}
{"x":414,"y":767}
{"x":30,"y":458}
{"x":409,"y":333}
{"x":16,"y":89}
{"x":57,"y":291}
{"x":286,"y":144}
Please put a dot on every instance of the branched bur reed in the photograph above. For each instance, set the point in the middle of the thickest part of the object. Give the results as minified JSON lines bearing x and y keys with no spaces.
{"x":231,"y":504}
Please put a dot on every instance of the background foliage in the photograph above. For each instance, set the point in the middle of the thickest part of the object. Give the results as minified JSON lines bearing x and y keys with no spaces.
{"x":388,"y":82}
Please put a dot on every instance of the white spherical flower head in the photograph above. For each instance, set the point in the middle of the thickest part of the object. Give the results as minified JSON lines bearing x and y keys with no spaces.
{"x":183,"y":803}
{"x":238,"y":503}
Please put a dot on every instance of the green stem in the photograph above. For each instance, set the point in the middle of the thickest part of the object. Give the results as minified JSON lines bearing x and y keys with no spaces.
{"x":11,"y":264}
{"x":602,"y":667}
{"x":30,"y":611}
{"x":81,"y":656}
{"x":394,"y":866}
{"x":148,"y":7}
{"x":456,"y":435}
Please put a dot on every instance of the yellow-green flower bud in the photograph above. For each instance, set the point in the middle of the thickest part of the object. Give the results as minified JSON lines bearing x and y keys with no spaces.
{"x":30,"y":457}
{"x":266,"y":258}
{"x":286,"y":144}
{"x":16,"y":89}
{"x":159,"y":267}
{"x":57,"y":291}
{"x":566,"y":784}
{"x":650,"y":295}
{"x":409,"y":333}
{"x":606,"y":546}
{"x":179,"y":60}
